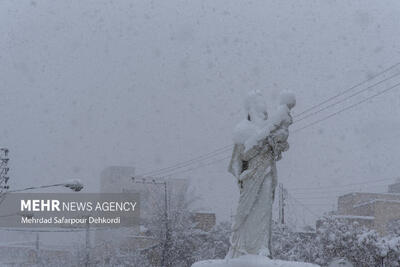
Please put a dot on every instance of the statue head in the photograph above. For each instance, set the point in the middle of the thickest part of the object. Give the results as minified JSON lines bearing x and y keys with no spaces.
{"x":255,"y":106}
{"x":288,"y":99}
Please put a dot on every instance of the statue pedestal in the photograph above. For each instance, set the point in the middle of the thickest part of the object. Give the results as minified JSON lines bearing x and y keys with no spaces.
{"x":251,"y":261}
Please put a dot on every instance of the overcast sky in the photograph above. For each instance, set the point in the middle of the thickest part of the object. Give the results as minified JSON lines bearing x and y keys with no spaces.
{"x":88,"y":84}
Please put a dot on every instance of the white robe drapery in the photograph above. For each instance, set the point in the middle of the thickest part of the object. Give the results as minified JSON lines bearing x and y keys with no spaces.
{"x":251,"y":231}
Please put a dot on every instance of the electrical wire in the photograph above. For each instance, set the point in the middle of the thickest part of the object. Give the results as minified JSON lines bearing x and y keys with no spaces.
{"x":303,"y":205}
{"x":345,"y":99}
{"x":346,"y":108}
{"x":212,"y":154}
{"x":189,"y":162}
{"x":200,"y":166}
{"x":345,"y":185}
{"x":306,"y":126}
{"x":347,"y":90}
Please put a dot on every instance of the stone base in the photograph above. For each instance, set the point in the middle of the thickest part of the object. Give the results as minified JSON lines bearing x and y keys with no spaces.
{"x":251,"y":261}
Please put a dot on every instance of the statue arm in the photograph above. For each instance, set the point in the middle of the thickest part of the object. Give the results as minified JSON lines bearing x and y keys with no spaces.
{"x":247,"y":155}
{"x":235,"y":165}
{"x":277,"y":140}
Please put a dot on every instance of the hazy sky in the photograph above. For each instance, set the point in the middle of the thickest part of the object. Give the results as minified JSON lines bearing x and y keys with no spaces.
{"x":88,"y":84}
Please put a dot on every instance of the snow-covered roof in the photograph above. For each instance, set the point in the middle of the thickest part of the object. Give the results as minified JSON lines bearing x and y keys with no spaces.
{"x":356,"y":217}
{"x":32,"y":246}
{"x":368,"y":193}
{"x":372,"y":201}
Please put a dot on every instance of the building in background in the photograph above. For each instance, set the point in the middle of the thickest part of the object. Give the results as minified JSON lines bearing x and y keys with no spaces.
{"x":205,"y":221}
{"x":118,"y":179}
{"x":28,"y":253}
{"x":378,"y":211}
{"x":395,"y":188}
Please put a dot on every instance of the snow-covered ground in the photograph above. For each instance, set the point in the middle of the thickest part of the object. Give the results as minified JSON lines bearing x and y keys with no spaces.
{"x":251,"y":261}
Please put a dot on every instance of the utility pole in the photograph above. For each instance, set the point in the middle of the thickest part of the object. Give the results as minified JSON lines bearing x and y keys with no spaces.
{"x":4,"y":170}
{"x":38,"y":259}
{"x":166,"y":225}
{"x":282,"y":199}
{"x":149,"y":180}
{"x":87,"y":245}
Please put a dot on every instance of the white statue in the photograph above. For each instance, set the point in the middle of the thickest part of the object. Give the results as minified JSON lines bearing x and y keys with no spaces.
{"x":259,"y":143}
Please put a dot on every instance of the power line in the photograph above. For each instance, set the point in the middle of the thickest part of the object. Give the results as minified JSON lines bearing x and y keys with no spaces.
{"x":340,"y":101}
{"x":303,"y":205}
{"x":325,"y":193}
{"x":347,"y":90}
{"x":308,"y":125}
{"x":318,"y":197}
{"x":296,"y":216}
{"x":200,"y":166}
{"x":294,"y":131}
{"x":226,"y":148}
{"x":345,"y":185}
{"x":189,"y":162}
{"x":325,"y":205}
{"x":346,"y":108}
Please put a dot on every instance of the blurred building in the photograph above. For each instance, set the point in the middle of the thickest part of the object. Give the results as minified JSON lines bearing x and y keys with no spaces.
{"x":204,"y":221}
{"x":115,"y":179}
{"x":118,"y":179}
{"x":373,"y":210}
{"x":395,"y":188}
{"x":23,"y":254}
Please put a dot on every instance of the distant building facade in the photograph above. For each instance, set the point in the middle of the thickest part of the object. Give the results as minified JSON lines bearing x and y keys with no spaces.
{"x":118,"y":179}
{"x":373,"y":210}
{"x":205,"y":221}
{"x":24,"y":254}
{"x":395,"y":188}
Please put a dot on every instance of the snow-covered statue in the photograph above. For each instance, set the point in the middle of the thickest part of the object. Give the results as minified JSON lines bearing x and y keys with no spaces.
{"x":259,"y":143}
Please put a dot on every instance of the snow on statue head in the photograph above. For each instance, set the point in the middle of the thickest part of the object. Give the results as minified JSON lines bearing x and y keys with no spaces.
{"x":288,"y":99}
{"x":255,"y":106}
{"x":258,"y":124}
